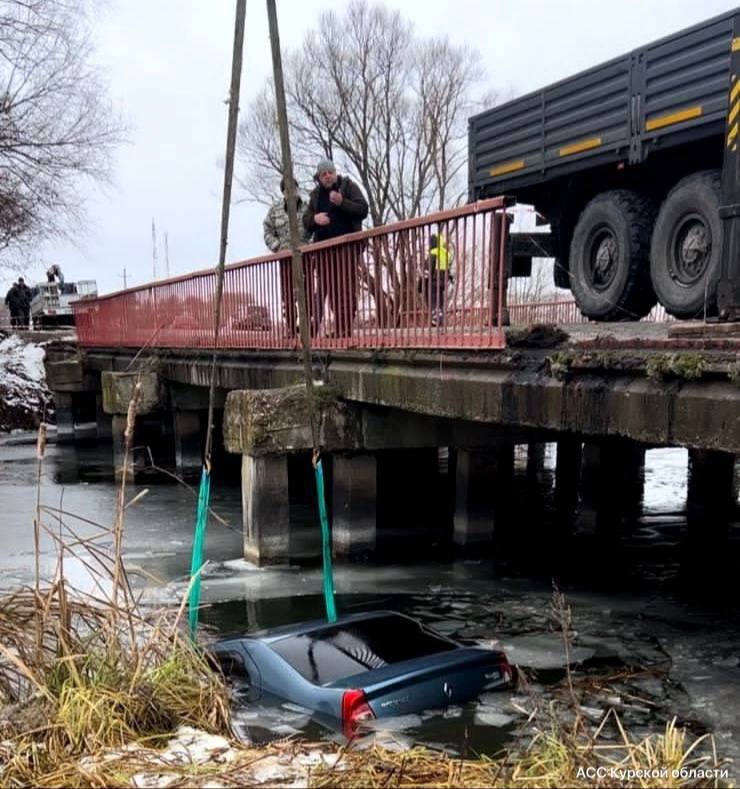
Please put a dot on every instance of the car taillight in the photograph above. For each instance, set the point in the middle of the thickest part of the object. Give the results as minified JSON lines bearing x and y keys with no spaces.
{"x":355,"y":710}
{"x":507,"y":672}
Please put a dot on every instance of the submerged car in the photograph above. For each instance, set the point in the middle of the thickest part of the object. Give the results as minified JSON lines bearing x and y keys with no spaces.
{"x":361,"y":667}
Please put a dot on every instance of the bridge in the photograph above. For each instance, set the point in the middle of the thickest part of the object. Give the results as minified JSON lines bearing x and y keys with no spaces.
{"x":409,"y":361}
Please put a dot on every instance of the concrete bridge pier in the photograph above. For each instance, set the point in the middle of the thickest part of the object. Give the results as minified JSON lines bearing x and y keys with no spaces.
{"x":482,"y":486}
{"x":535,"y":459}
{"x":612,"y":479}
{"x":706,"y":566}
{"x":270,"y":430}
{"x":567,"y":479}
{"x":354,"y":505}
{"x":710,"y":497}
{"x":103,"y":421}
{"x":186,"y":427}
{"x":266,"y":509}
{"x":117,"y":392}
{"x":64,"y":405}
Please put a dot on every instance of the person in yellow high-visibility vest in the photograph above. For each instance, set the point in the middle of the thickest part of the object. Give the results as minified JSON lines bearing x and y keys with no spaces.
{"x":440,"y":272}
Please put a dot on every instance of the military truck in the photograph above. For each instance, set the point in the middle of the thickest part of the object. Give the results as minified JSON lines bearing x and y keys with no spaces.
{"x":635,"y":165}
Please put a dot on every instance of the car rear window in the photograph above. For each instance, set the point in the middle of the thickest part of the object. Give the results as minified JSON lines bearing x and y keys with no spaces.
{"x":339,"y":651}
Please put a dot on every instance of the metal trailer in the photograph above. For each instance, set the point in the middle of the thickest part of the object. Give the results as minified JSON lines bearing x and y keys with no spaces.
{"x":635,"y":165}
{"x":51,"y":302}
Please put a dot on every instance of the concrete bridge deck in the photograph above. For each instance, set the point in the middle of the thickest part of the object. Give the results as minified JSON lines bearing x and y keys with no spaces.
{"x":639,"y":382}
{"x":603,"y":393}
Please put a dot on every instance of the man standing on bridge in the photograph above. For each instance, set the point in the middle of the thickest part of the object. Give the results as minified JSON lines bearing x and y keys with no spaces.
{"x":13,"y":299}
{"x":336,"y":207}
{"x":277,"y":239}
{"x":25,"y":292}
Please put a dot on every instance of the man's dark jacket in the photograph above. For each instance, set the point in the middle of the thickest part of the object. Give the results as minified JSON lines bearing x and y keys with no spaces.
{"x":345,"y":218}
{"x":15,"y":299}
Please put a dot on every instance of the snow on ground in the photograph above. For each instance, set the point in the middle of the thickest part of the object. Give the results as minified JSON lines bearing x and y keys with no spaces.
{"x":24,"y":396}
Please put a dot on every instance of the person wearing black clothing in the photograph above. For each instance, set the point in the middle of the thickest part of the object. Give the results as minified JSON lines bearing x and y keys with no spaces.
{"x":337,"y":207}
{"x":17,"y":304}
{"x":25,"y":292}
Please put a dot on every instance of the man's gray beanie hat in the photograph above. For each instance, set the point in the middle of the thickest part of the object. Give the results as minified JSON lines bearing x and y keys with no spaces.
{"x":324,"y":165}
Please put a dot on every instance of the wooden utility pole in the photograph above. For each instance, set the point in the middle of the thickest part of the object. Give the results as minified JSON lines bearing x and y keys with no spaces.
{"x":289,"y":180}
{"x":236,"y":74}
{"x":166,"y":254}
{"x":154,"y":251}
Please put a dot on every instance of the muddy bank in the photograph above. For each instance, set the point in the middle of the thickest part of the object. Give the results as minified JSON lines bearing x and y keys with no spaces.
{"x":25,"y":400}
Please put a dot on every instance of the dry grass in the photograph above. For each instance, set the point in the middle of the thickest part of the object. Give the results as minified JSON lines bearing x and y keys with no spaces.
{"x":84,"y":672}
{"x":556,"y":757}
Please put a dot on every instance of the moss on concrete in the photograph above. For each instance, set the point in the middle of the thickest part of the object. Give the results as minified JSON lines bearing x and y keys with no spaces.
{"x":686,"y":366}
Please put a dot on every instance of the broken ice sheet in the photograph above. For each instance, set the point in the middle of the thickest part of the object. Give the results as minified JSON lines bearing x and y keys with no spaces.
{"x":489,"y":717}
{"x":544,"y":651}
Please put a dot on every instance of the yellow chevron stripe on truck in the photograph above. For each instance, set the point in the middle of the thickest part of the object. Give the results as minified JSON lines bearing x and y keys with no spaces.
{"x":578,"y":147}
{"x":674,"y":117}
{"x":507,"y":167}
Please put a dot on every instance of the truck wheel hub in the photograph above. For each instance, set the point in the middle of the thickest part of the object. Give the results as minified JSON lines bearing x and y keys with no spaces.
{"x":604,"y":256}
{"x":692,"y":248}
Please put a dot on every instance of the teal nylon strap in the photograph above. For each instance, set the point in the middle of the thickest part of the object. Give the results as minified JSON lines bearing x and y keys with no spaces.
{"x":196,"y":561}
{"x":331,"y":609}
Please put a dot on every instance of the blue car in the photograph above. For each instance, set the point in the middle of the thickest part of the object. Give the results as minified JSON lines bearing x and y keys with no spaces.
{"x":361,"y":667}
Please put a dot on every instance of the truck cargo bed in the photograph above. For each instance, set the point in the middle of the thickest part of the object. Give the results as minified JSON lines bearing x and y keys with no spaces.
{"x":670,"y":92}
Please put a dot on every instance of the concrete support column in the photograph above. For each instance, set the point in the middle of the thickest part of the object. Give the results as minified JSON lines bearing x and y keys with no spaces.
{"x":118,"y":423}
{"x":535,"y":459}
{"x":707,"y":568}
{"x":630,"y":464}
{"x":567,"y":477}
{"x":590,"y":472}
{"x":64,"y":404}
{"x":103,"y":421}
{"x":266,"y":509}
{"x":710,"y":498}
{"x":187,"y":439}
{"x":612,"y":478}
{"x":483,"y":479}
{"x":354,"y":524}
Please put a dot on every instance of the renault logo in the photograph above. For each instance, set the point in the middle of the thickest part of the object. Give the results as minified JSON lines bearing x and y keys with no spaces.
{"x":447,"y":690}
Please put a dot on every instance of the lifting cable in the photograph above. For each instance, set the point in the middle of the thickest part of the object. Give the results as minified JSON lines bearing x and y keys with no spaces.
{"x":299,"y":290}
{"x":204,"y":493}
{"x":299,"y":294}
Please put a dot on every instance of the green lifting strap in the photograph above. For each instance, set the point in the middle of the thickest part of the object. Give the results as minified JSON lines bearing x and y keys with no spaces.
{"x":196,"y":561}
{"x":331,"y":608}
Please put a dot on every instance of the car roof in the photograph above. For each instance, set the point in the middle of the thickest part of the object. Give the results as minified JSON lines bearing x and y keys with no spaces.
{"x":317,"y":625}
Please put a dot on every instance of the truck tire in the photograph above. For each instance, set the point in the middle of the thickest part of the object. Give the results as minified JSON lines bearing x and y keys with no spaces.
{"x":609,"y":257}
{"x":687,"y":246}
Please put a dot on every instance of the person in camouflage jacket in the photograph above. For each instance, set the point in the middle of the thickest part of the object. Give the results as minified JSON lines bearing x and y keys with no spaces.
{"x":277,"y":239}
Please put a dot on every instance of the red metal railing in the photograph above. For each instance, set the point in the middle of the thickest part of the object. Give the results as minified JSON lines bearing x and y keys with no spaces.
{"x":564,"y":311}
{"x":373,"y":289}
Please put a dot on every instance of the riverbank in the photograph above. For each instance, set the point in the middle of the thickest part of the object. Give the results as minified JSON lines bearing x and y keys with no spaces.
{"x":25,"y":400}
{"x":97,"y":691}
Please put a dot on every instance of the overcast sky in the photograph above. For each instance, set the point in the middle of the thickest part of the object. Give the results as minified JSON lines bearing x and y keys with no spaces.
{"x":168,"y":64}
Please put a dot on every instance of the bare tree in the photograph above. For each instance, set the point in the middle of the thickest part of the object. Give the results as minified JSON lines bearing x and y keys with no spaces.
{"x":57,"y":129}
{"x":390,"y":108}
